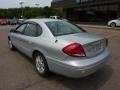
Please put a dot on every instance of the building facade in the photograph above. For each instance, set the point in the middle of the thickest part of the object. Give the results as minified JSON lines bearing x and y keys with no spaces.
{"x":88,"y":10}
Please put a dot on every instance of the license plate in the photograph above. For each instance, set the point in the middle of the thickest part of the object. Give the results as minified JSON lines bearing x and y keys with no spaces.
{"x":95,"y":48}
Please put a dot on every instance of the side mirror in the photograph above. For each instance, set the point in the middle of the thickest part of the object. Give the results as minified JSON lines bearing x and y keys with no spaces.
{"x":12,"y":30}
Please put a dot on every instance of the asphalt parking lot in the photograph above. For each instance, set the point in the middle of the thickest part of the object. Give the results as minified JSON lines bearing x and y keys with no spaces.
{"x":17,"y":72}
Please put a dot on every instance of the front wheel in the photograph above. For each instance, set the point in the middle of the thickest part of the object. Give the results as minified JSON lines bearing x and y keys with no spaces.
{"x":41,"y":64}
{"x":113,"y":24}
{"x":11,"y":45}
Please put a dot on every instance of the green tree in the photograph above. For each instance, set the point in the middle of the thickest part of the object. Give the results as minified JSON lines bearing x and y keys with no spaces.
{"x":29,"y":12}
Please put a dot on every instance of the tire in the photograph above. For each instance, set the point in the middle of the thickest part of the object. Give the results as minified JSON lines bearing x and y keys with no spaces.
{"x":41,"y":64}
{"x":113,"y":24}
{"x":11,"y":46}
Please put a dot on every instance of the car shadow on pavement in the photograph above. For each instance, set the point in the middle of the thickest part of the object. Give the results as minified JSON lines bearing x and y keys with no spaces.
{"x":92,"y":82}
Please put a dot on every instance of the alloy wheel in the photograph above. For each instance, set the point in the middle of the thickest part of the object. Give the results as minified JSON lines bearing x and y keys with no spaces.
{"x":40,"y":64}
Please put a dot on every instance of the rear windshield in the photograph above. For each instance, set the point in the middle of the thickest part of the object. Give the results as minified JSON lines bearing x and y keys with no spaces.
{"x":59,"y":28}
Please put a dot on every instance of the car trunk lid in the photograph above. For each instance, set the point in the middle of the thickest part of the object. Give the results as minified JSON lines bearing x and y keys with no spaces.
{"x":92,"y":44}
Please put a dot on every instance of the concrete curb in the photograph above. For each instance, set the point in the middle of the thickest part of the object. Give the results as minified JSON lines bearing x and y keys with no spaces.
{"x":99,"y":26}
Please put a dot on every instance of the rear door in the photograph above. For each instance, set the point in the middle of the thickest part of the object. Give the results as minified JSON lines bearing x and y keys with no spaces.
{"x":31,"y":33}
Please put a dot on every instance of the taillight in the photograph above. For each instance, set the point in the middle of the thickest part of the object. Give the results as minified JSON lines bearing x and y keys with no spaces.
{"x":75,"y":50}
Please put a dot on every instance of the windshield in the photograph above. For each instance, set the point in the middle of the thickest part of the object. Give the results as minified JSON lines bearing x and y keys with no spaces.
{"x":59,"y":28}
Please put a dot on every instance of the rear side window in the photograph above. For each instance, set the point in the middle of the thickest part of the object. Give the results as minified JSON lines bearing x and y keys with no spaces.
{"x":33,"y":30}
{"x":52,"y":17}
{"x":39,"y":30}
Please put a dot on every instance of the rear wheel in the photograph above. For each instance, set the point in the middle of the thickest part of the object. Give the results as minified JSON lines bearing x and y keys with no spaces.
{"x":113,"y":24}
{"x":41,"y":64}
{"x":11,"y":45}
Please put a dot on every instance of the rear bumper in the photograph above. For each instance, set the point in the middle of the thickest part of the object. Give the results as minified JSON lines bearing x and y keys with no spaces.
{"x":79,"y":68}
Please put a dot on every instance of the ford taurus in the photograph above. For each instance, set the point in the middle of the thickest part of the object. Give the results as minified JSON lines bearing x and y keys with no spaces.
{"x":61,"y":47}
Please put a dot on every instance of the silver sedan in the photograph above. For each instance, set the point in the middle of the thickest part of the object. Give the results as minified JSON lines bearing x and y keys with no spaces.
{"x":59,"y":46}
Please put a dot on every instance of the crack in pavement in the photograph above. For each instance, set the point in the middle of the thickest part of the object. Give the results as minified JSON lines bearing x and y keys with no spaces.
{"x":30,"y":85}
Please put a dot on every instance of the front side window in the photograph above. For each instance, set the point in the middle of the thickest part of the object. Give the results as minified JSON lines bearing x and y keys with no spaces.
{"x":63,"y":28}
{"x":21,"y":28}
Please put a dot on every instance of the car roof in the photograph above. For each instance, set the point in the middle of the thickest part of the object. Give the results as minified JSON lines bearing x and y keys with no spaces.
{"x":54,"y":16}
{"x":42,"y":20}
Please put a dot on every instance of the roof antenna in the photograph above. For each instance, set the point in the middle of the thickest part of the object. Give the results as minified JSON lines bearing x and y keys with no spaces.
{"x":56,"y":40}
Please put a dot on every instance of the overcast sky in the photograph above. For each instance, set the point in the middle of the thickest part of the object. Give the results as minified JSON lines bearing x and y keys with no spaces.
{"x":15,"y":3}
